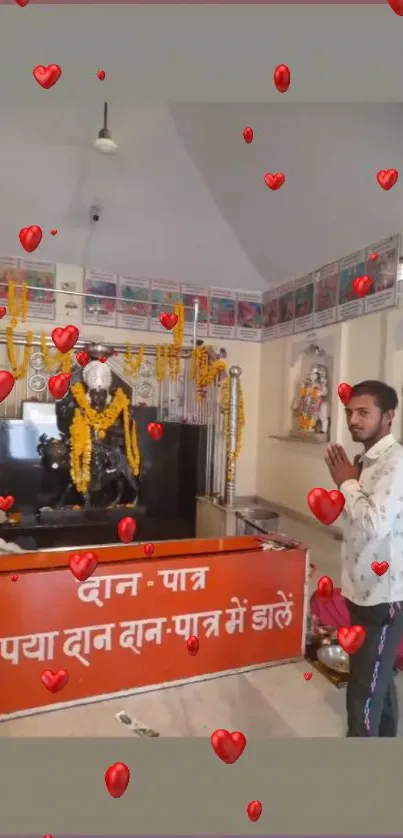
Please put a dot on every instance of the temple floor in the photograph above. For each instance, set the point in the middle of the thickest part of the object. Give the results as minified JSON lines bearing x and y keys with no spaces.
{"x":273,"y":702}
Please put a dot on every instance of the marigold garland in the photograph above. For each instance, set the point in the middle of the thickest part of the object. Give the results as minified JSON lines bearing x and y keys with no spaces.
{"x":232,"y":457}
{"x":133,"y":363}
{"x":85,"y":420}
{"x":19,"y":370}
{"x":17,"y":311}
{"x":161,"y":361}
{"x":202,"y":371}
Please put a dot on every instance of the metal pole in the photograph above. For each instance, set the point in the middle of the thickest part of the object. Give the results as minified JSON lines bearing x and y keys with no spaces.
{"x":233,"y":407}
{"x":195,"y":319}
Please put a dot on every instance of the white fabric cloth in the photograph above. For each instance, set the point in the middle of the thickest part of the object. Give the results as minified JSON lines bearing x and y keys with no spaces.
{"x":97,"y":376}
{"x":373,"y":526}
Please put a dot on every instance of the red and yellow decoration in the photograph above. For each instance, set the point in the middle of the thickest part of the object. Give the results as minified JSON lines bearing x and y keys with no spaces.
{"x":87,"y":420}
{"x":203,"y":371}
{"x":56,"y":359}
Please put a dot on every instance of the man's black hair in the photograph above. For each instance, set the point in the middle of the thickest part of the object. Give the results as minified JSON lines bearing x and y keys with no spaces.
{"x":384,"y":395}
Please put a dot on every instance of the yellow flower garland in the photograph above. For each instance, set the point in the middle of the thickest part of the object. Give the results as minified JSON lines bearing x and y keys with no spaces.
{"x":161,"y":361}
{"x":64,"y":360}
{"x":240,"y":424}
{"x":86,"y":419}
{"x":132,"y":364}
{"x":19,"y":371}
{"x":17,"y":312}
{"x":202,"y":372}
{"x":179,"y":329}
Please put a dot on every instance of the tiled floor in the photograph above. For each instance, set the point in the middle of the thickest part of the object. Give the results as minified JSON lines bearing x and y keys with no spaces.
{"x":274,"y":702}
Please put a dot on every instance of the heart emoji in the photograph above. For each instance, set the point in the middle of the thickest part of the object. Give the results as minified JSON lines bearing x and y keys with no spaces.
{"x":168,"y":321}
{"x":6,"y":502}
{"x":14,"y":578}
{"x":274,"y":181}
{"x":47,"y":76}
{"x":117,"y":778}
{"x":282,"y":78}
{"x":65,"y":339}
{"x":102,"y":358}
{"x":387,"y":178}
{"x":248,"y":135}
{"x":59,"y":384}
{"x":228,"y":746}
{"x":7,"y":382}
{"x":380,"y":567}
{"x":326,"y":506}
{"x":22,"y":3}
{"x":396,"y":6}
{"x":3,"y":312}
{"x":324,"y":588}
{"x":53,"y":232}
{"x":193,"y":645}
{"x":254,"y":809}
{"x":82,"y":565}
{"x":351,"y":638}
{"x":82,"y":358}
{"x":374,"y":256}
{"x":31,"y":237}
{"x":307,"y":676}
{"x":345,"y":391}
{"x":362,"y":285}
{"x":54,"y":681}
{"x":148,"y":549}
{"x":101,"y":75}
{"x":126,"y":529}
{"x":155,"y":429}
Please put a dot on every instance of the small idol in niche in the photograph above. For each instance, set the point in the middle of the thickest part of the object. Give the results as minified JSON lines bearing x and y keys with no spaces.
{"x":311,"y":406}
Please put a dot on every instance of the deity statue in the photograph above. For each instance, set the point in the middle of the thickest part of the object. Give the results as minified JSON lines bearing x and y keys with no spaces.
{"x":311,"y":408}
{"x":98,"y":440}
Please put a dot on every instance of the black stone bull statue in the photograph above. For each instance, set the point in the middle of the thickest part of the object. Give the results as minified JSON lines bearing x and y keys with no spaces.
{"x":111,"y":476}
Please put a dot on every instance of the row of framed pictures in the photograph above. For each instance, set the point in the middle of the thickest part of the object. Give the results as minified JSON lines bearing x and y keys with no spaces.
{"x":320,"y":299}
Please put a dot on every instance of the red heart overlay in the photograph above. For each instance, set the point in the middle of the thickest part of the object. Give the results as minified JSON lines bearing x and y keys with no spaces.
{"x":351,"y":638}
{"x":282,"y":78}
{"x":6,"y":502}
{"x":168,"y":321}
{"x":127,"y":529}
{"x":117,"y":778}
{"x":326,"y":506}
{"x":380,"y":567}
{"x":7,"y":382}
{"x":65,"y":339}
{"x":324,"y":588}
{"x":274,"y":181}
{"x":82,"y":565}
{"x":155,"y":429}
{"x":387,"y":178}
{"x":345,"y":391}
{"x":31,"y":237}
{"x":228,"y":746}
{"x":59,"y":384}
{"x":54,"y":681}
{"x":47,"y":76}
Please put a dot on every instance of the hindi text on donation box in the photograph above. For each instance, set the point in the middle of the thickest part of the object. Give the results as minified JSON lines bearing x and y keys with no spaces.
{"x":126,"y":626}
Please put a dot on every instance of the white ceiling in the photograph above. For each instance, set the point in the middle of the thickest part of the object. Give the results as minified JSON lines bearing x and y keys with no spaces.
{"x":184,"y":198}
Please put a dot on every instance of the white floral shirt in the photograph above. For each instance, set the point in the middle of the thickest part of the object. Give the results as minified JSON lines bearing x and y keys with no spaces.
{"x":373,"y":526}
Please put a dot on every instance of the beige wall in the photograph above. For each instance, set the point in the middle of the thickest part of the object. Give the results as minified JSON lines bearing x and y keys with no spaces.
{"x":247,"y":355}
{"x":363,"y":348}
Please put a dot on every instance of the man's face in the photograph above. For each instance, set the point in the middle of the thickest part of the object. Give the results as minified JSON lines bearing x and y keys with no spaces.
{"x":365,"y":420}
{"x":98,"y":399}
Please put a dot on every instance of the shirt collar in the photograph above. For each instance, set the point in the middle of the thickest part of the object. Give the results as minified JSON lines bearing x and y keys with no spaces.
{"x":379,"y":448}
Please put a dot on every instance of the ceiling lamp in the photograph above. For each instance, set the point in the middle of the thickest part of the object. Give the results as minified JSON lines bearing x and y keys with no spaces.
{"x":104,"y":142}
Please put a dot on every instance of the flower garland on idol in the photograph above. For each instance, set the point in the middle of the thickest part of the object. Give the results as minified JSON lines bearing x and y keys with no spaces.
{"x":87,"y":421}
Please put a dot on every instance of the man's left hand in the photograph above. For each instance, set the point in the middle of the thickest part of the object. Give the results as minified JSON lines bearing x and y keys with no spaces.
{"x":340,"y":467}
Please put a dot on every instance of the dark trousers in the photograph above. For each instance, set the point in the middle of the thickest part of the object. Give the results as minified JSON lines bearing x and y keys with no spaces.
{"x":372,"y":708}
